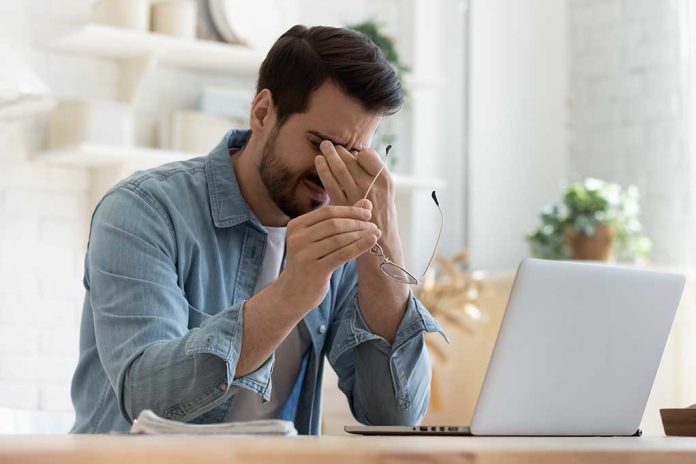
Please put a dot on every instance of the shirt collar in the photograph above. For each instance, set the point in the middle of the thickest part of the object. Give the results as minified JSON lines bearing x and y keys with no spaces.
{"x":227,"y":204}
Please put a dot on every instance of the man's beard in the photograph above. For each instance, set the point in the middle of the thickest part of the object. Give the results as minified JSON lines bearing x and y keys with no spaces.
{"x":281,"y":184}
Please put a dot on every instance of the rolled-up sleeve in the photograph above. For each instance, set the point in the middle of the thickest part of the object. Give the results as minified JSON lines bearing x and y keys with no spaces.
{"x":141,"y":317}
{"x":385,"y":384}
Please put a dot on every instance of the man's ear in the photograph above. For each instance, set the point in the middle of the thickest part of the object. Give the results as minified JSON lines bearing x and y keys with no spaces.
{"x":263,"y":112}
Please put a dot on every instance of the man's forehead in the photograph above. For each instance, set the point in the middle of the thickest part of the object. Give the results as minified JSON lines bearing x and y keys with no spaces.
{"x":333,"y":115}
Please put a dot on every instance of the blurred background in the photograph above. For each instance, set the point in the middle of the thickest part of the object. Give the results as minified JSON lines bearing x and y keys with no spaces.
{"x":553,"y":128}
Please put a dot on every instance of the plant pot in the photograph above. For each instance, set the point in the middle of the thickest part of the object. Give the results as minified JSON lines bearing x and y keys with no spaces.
{"x":596,"y":248}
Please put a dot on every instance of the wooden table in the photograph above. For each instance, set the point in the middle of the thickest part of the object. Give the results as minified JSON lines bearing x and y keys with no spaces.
{"x":135,"y":449}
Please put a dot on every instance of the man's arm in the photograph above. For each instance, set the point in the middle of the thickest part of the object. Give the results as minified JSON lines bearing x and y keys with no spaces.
{"x":384,"y":301}
{"x":376,"y":346}
{"x":385,"y":383}
{"x":348,"y":178}
{"x":318,"y":243}
{"x":141,"y":315}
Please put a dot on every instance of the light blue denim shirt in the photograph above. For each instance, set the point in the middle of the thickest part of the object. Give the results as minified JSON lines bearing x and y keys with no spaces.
{"x":174,"y":252}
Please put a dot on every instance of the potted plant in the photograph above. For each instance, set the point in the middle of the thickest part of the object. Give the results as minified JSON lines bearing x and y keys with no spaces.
{"x":595,"y":220}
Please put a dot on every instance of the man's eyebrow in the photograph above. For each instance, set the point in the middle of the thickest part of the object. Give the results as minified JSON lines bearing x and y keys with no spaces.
{"x":321,"y":136}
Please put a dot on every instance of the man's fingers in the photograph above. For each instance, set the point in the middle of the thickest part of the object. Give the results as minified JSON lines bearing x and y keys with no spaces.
{"x":333,"y":243}
{"x":334,"y":226}
{"x":348,"y":252}
{"x":364,"y":203}
{"x":370,"y":161}
{"x":331,"y":184}
{"x":356,"y":171}
{"x":328,"y":212}
{"x":338,"y":168}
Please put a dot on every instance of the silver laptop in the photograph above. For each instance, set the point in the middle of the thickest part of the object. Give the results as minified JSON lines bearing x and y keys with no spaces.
{"x":576,"y":354}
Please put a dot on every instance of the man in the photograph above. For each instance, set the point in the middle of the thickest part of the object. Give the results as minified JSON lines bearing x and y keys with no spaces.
{"x":196,"y":308}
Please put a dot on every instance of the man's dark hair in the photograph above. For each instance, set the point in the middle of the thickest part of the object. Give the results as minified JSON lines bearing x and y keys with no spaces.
{"x":302,"y":59}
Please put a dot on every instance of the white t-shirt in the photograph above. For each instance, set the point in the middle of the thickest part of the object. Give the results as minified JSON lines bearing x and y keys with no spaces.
{"x":248,"y":405}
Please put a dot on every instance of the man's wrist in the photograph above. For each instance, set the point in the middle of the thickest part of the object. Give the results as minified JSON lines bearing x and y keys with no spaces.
{"x":276,"y":296}
{"x":288,"y":296}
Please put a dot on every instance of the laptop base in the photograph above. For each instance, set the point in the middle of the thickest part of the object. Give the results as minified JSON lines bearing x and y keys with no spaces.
{"x":440,"y":430}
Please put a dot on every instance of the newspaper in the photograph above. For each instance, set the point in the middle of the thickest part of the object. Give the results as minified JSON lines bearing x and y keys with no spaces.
{"x":150,"y":423}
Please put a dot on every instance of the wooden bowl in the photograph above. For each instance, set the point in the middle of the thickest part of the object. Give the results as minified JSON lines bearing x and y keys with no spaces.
{"x":679,"y":422}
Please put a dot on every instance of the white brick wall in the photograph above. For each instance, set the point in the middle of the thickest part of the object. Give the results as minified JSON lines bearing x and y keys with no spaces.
{"x":25,"y":395}
{"x":44,"y":214}
{"x":43,"y":227}
{"x":627,"y":110}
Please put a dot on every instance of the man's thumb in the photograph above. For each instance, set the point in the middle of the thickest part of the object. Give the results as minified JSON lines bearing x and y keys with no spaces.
{"x":367,"y":204}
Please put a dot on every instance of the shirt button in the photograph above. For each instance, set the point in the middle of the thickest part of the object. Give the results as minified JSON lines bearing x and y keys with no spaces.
{"x":322,"y":329}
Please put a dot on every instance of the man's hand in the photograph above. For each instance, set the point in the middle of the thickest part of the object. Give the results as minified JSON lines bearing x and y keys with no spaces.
{"x":347,"y":177}
{"x":318,"y":243}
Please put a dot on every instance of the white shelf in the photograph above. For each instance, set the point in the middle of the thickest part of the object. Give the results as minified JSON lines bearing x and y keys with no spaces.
{"x":95,"y":156}
{"x":91,"y":156}
{"x":118,"y":43}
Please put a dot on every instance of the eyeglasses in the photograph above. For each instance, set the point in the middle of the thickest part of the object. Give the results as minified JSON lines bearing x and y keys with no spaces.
{"x":389,"y":268}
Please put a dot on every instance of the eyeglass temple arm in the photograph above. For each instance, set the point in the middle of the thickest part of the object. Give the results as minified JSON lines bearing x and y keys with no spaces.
{"x":439,"y":234}
{"x":437,"y":203}
{"x":378,"y":173}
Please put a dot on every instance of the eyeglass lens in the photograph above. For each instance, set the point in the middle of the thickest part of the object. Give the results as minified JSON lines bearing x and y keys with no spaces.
{"x":397,"y":273}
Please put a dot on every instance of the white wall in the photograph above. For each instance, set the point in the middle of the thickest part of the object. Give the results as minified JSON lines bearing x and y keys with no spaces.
{"x":517,"y":114}
{"x":628,"y":110}
{"x":689,"y":36}
{"x":43,"y":213}
{"x":438,"y":135}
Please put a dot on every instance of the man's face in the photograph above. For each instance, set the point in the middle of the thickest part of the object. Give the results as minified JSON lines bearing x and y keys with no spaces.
{"x":287,"y":162}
